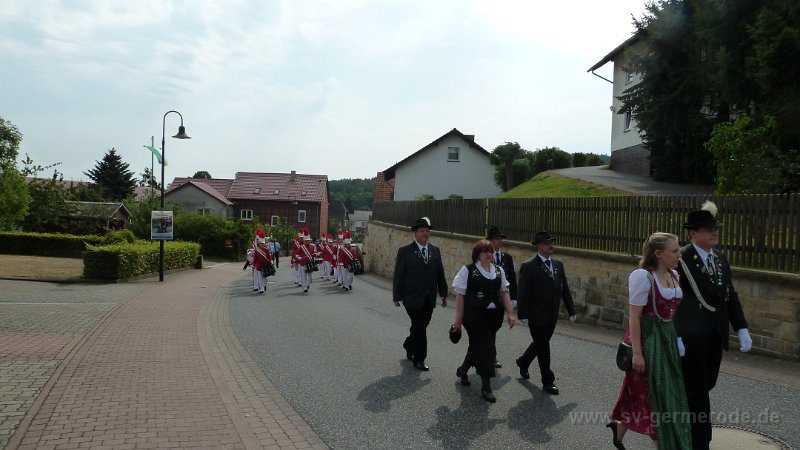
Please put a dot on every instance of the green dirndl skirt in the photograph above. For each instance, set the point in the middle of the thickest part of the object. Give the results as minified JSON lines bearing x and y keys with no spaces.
{"x":671,"y":416}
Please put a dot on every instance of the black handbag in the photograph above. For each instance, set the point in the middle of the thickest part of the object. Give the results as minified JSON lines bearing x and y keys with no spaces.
{"x":624,"y":357}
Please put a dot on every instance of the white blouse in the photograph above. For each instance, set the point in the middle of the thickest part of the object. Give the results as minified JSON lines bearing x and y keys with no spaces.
{"x":460,"y":281}
{"x":639,"y":287}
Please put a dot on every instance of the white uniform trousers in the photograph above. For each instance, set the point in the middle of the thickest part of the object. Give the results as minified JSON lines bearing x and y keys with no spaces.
{"x":255,"y":278}
{"x":262,"y":281}
{"x":347,"y":278}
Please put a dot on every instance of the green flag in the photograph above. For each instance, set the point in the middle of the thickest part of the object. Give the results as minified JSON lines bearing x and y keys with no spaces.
{"x":155,"y":152}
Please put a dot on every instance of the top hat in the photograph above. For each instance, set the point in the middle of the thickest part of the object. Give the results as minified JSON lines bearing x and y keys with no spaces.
{"x":542,"y":236}
{"x":422,"y":222}
{"x":494,"y":232}
{"x":705,"y":217}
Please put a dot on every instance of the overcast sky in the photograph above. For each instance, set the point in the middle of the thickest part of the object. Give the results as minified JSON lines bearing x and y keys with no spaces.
{"x":344,"y":88}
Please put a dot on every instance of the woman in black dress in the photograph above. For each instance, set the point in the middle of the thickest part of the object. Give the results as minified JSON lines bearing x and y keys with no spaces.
{"x":481,"y":288}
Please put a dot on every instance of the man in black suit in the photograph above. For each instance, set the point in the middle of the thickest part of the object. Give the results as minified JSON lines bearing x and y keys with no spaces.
{"x":701,"y":321}
{"x":505,"y":261}
{"x":418,"y":277}
{"x":542,"y":286}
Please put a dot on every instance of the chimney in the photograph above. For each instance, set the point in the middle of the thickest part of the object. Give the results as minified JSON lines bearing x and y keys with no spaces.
{"x":293,"y":176}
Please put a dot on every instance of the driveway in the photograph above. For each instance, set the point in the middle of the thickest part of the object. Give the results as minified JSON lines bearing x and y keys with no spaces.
{"x":634,"y":184}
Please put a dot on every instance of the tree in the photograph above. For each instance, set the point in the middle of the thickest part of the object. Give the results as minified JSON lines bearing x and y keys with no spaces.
{"x":112,"y":176}
{"x":48,"y":200}
{"x":550,"y":158}
{"x":593,"y":159}
{"x":504,"y":157}
{"x":14,"y":197}
{"x":355,"y":193}
{"x":425,"y":197}
{"x":149,"y":180}
{"x":578,"y":159}
{"x":202,"y":175}
{"x":455,"y":197}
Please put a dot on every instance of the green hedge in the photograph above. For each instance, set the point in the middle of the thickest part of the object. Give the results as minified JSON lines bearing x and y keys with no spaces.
{"x":46,"y":244}
{"x":124,"y":260}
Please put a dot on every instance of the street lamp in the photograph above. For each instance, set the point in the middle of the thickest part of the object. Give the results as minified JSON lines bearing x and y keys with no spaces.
{"x":181,"y":135}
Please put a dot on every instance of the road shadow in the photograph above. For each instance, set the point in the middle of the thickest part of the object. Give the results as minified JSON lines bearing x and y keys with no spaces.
{"x":457,"y":428}
{"x":378,"y":396}
{"x":533,"y":417}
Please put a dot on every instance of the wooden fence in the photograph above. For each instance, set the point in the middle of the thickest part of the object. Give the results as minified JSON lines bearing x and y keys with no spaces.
{"x":759,"y":231}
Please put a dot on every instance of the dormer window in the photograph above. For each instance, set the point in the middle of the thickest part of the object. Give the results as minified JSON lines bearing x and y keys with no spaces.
{"x":257,"y":190}
{"x":276,"y":192}
{"x":302,"y":193}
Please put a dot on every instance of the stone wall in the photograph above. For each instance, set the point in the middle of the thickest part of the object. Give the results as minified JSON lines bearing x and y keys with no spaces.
{"x":599,"y":284}
{"x":633,"y":160}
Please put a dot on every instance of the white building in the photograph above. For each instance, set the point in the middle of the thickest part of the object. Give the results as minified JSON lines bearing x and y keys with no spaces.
{"x":451,"y":165}
{"x":628,"y":154}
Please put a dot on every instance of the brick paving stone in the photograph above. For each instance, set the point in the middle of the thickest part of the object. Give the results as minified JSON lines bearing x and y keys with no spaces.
{"x":161,"y":368}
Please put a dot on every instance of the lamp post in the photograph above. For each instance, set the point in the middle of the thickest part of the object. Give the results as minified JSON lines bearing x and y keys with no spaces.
{"x":181,"y":135}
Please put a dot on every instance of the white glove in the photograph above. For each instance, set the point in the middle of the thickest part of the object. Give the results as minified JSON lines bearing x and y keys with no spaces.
{"x":523,"y":321}
{"x":572,"y":318}
{"x":681,"y":348}
{"x":513,"y":303}
{"x":745,"y":341}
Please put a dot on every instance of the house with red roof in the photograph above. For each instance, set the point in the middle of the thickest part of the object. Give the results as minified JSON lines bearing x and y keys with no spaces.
{"x":299,"y":199}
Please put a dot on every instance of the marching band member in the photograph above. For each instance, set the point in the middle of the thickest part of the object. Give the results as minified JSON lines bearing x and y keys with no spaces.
{"x":261,"y":257}
{"x":348,"y":254}
{"x":306,"y":261}
{"x":298,"y":242}
{"x":338,"y":272}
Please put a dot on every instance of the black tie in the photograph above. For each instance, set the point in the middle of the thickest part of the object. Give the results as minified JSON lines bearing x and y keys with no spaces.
{"x":424,"y":256}
{"x":549,"y":266}
{"x":497,"y":257}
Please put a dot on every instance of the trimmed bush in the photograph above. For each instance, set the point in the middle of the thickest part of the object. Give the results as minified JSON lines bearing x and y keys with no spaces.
{"x":125,"y":260}
{"x":46,"y":244}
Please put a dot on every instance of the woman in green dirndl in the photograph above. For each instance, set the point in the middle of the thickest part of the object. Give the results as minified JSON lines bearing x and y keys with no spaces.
{"x":652,"y":400}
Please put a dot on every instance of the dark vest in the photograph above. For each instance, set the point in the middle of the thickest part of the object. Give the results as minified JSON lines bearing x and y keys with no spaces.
{"x":480,"y":290}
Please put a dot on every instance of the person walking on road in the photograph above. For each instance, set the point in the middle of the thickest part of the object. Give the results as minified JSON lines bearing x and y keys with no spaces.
{"x":542,"y":287}
{"x":418,"y":278}
{"x":261,"y":258}
{"x":481,"y":289}
{"x":275,"y":250}
{"x":505,"y":261}
{"x":710,"y":303}
{"x":652,"y":400}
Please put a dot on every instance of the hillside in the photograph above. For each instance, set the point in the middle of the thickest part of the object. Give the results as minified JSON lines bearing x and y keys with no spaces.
{"x":548,"y":184}
{"x":355,"y":193}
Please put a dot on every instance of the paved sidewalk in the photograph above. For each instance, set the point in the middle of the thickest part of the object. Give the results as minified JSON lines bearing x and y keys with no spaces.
{"x":163,"y":369}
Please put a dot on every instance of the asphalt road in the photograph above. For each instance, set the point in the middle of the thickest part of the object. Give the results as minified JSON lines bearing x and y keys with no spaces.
{"x":337,"y":358}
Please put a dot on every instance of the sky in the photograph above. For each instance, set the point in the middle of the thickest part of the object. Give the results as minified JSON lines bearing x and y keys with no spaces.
{"x":344,"y":88}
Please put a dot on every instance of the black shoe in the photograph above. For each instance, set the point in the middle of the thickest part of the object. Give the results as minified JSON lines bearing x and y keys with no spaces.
{"x":255,"y":289}
{"x":550,"y":389}
{"x":421,"y":366}
{"x":497,"y":364}
{"x":305,"y":291}
{"x":613,"y":426}
{"x":488,"y":396}
{"x":523,"y":372}
{"x":463,"y":375}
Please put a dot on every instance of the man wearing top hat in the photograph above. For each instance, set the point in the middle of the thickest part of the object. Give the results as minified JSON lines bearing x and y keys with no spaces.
{"x":505,"y":261}
{"x":418,"y":278}
{"x":542,"y":287}
{"x":701,"y":321}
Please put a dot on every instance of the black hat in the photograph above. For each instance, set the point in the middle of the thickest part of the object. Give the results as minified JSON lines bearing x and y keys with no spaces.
{"x":422,"y":222}
{"x":455,"y":335}
{"x":494,"y":232}
{"x":705,"y":217}
{"x":542,"y":236}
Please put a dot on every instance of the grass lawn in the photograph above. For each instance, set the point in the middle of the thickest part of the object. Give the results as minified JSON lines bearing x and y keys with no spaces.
{"x":548,"y":184}
{"x":22,"y":267}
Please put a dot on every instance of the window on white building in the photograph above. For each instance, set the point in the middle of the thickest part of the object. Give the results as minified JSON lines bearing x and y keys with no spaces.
{"x":301,"y":215}
{"x":203,"y":211}
{"x":628,"y":119}
{"x":246,"y":214}
{"x":275,"y":220}
{"x":628,"y":77}
{"x":452,"y":153}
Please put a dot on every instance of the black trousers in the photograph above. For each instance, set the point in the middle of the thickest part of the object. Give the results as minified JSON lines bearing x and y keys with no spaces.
{"x":481,"y":352}
{"x":540,"y":347}
{"x":277,"y":258}
{"x":700,"y":371}
{"x":417,"y":340}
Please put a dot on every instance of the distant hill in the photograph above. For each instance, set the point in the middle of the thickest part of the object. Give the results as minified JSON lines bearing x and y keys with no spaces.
{"x":355,"y":193}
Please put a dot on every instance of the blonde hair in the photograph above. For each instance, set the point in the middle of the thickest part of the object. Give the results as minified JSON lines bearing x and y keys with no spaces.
{"x":656,"y":241}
